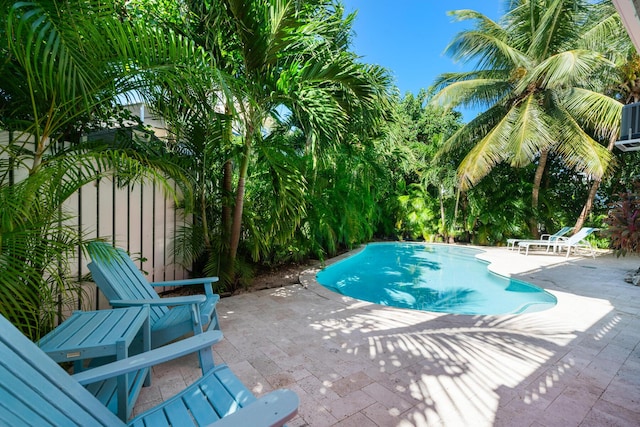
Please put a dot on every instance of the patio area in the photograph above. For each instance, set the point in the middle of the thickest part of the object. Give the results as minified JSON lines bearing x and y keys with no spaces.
{"x":354,"y":363}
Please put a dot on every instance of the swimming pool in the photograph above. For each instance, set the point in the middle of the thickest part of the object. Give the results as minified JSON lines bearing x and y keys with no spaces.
{"x":439,"y":278}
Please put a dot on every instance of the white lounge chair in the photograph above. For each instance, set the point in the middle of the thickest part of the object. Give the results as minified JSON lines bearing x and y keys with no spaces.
{"x":576,"y":241}
{"x":551,"y":237}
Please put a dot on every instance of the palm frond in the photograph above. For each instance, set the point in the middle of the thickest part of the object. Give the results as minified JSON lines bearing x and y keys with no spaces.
{"x":471,"y":93}
{"x":489,"y":151}
{"x":488,"y":50}
{"x":466,"y":136}
{"x":578,"y":150}
{"x":594,"y":111}
{"x":558,"y":22}
{"x":606,"y":33}
{"x":565,"y":69}
{"x":530,"y":134}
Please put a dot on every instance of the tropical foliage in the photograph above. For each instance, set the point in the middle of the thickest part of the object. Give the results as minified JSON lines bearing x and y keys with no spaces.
{"x":624,"y":222}
{"x":62,"y":75}
{"x":290,"y":87}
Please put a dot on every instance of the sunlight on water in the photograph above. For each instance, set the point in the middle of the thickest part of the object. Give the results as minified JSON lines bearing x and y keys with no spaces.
{"x":439,"y":278}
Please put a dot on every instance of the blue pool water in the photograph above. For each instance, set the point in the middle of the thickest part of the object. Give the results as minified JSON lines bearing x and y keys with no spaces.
{"x":437,"y":278}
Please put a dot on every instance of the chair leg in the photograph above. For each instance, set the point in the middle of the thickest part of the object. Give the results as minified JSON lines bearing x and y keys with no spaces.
{"x":214,"y":324}
{"x":205,"y":356}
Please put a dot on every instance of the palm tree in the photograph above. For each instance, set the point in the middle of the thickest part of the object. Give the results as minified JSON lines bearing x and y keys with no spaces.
{"x":282,"y":59}
{"x":533,"y":75}
{"x":66,"y":65}
{"x":293,"y":55}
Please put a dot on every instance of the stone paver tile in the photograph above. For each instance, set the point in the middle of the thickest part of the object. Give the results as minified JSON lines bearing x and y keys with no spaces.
{"x":353,"y":382}
{"x":568,"y":410}
{"x":251,"y":378}
{"x":145,"y":406}
{"x":629,"y":369}
{"x":583,"y":391}
{"x":577,"y":359}
{"x":284,"y":378}
{"x":320,"y":391}
{"x":348,"y":405}
{"x":528,"y":404}
{"x":607,"y":415}
{"x":297,"y":422}
{"x":274,"y":351}
{"x":600,"y":372}
{"x":315,"y":414}
{"x":615,"y":353}
{"x":226,"y":351}
{"x":510,"y":416}
{"x":381,"y":415}
{"x":357,"y":420}
{"x":347,"y":368}
{"x":264,"y":365}
{"x":149,"y":394}
{"x":386,"y":397}
{"x":624,"y":394}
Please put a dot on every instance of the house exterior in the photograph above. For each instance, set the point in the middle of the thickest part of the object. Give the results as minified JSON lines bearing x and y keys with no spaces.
{"x":628,"y":10}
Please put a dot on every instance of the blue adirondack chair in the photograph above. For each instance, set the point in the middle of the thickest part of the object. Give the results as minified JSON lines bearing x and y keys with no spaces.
{"x":124,"y":285}
{"x":35,"y":391}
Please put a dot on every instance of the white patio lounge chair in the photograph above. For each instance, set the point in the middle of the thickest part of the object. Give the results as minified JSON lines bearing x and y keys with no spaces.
{"x":551,"y":237}
{"x":574,"y":242}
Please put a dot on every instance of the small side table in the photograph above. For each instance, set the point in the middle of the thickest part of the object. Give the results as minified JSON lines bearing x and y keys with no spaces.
{"x":91,"y":334}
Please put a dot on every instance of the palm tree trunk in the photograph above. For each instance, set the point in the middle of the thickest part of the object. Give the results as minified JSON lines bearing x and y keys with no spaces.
{"x":236,"y":225}
{"x":588,"y":204}
{"x":442,"y":217}
{"x":227,"y":191}
{"x":535,"y":193}
{"x":227,"y":180}
{"x":205,"y":223}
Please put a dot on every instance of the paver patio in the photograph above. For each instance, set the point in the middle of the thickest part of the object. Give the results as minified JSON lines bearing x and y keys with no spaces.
{"x":354,"y":363}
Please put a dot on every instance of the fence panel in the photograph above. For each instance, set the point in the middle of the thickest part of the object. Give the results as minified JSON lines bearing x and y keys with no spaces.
{"x":139,"y":218}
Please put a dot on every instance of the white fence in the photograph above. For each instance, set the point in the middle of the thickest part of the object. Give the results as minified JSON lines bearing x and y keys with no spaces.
{"x":140,"y":219}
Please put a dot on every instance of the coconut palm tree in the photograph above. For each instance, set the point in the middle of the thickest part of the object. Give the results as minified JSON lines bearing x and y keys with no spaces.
{"x":533,"y":75}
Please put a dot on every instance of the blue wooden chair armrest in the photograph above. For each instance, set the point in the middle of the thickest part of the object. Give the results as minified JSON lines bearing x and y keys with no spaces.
{"x":196,"y":281}
{"x":172,"y":301}
{"x":149,"y":358}
{"x":206,"y":281}
{"x":272,"y":409}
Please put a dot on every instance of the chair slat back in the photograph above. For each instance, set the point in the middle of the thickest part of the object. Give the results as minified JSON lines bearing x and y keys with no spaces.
{"x":559,"y":233}
{"x":579,"y":236}
{"x":118,"y":278}
{"x":34,"y":390}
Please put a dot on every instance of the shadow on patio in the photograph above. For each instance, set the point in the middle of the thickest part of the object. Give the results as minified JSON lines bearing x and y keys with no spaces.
{"x":356,"y":363}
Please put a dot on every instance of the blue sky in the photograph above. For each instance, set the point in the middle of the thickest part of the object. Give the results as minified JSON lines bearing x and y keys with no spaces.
{"x":408,"y":37}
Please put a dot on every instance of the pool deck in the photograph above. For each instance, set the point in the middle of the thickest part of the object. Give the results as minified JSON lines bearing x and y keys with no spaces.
{"x":354,"y":363}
